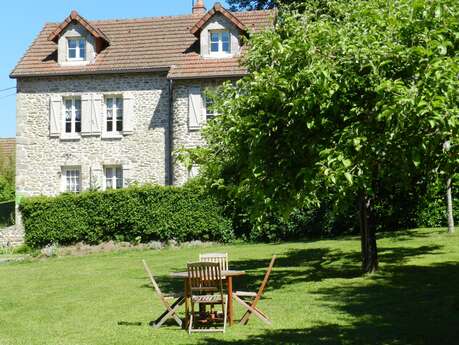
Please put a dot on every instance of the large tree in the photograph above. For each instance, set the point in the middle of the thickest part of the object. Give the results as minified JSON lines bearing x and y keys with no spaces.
{"x":347,"y":102}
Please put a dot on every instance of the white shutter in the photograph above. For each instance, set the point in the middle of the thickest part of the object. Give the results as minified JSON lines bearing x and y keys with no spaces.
{"x":86,"y":114}
{"x":96,"y":114}
{"x":128,"y":113}
{"x":55,"y":115}
{"x":194,"y":107}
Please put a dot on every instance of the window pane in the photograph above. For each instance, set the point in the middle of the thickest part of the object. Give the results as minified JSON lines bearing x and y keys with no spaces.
{"x":214,"y":37}
{"x":68,"y":127}
{"x":225,"y":36}
{"x":82,"y":44}
{"x":214,"y":47}
{"x":72,"y":43}
{"x":82,"y":54}
{"x":109,"y":126}
{"x":119,"y":126}
{"x":119,"y":103}
{"x":226,"y":47}
{"x":68,"y":104}
{"x":78,"y":103}
{"x":110,"y":103}
{"x":72,"y":53}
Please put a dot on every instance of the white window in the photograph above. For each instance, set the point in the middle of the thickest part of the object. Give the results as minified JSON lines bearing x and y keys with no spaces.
{"x":76,"y":49}
{"x":71,"y":179}
{"x":72,"y":115}
{"x":113,"y":177}
{"x":114,"y":116}
{"x":209,"y":103}
{"x":220,"y":42}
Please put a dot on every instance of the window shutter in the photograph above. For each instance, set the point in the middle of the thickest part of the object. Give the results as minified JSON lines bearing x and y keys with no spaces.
{"x":128,"y":113}
{"x":86,"y":114}
{"x":194,"y":107}
{"x":55,"y":115}
{"x":96,"y":114}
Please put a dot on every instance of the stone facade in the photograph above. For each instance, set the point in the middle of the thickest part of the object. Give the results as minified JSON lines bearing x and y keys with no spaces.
{"x":144,"y":155}
{"x":11,"y":237}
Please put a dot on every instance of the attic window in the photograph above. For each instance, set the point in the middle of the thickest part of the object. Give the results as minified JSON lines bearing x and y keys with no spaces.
{"x":219,"y":42}
{"x":76,"y":50}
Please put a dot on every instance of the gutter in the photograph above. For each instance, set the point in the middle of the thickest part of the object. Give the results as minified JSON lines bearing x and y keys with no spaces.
{"x":170,"y":140}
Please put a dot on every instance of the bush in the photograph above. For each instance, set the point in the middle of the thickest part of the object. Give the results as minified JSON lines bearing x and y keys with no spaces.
{"x":138,"y":213}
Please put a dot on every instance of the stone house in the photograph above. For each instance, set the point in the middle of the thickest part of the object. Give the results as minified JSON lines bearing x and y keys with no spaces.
{"x":104,"y":103}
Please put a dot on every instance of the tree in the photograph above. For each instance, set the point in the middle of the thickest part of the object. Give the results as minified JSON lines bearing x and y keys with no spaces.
{"x":7,"y":177}
{"x":345,"y":103}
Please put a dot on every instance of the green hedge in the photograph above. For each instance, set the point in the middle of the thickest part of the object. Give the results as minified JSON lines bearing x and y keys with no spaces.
{"x":138,"y":213}
{"x":7,"y":213}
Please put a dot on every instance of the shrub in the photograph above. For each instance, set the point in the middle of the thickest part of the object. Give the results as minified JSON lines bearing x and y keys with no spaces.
{"x":137,"y":213}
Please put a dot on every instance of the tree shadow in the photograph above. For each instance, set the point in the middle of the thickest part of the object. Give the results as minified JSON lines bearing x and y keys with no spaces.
{"x":404,"y":305}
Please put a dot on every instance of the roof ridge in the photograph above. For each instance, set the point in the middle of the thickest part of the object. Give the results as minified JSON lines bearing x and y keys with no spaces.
{"x":149,"y":18}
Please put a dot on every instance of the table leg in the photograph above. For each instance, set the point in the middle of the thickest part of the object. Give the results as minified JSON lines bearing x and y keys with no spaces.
{"x":229,"y":284}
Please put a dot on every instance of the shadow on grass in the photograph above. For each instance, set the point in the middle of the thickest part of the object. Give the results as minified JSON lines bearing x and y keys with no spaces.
{"x":403,"y":305}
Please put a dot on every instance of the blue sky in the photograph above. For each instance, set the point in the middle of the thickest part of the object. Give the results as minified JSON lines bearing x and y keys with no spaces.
{"x":21,"y":21}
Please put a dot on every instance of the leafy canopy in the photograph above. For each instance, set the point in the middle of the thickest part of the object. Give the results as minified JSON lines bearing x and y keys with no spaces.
{"x":353,"y":98}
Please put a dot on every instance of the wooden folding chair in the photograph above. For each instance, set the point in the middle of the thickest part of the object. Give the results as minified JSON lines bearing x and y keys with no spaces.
{"x":220,"y":258}
{"x":206,"y":288}
{"x":251,"y":306}
{"x":171,"y":309}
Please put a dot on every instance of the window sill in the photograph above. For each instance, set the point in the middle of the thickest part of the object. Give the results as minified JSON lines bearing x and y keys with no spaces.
{"x":194,"y":129}
{"x":116,"y":135}
{"x":70,"y":137}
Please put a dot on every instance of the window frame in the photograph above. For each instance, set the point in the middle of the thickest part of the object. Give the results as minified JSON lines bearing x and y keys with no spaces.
{"x":209,"y":115}
{"x":114,"y":120}
{"x":114,"y":178}
{"x":77,"y":49}
{"x":220,"y":42}
{"x":77,"y":186}
{"x":73,"y":115}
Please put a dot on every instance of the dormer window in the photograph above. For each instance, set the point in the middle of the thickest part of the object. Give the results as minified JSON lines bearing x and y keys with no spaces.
{"x":76,"y":49}
{"x":220,"y":42}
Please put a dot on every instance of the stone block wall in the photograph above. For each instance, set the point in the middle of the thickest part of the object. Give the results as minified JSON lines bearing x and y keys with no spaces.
{"x":144,"y":154}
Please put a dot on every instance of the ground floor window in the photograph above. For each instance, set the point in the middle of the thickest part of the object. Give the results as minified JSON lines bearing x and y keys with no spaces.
{"x":113,"y":177}
{"x":71,"y":179}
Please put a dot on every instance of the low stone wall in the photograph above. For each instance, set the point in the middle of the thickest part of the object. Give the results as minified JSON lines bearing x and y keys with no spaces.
{"x":11,"y":237}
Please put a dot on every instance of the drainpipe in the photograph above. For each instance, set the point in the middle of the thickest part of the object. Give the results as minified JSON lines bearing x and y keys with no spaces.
{"x":170,"y":174}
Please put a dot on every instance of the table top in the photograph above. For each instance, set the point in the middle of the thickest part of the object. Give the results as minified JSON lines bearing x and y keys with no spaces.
{"x":229,"y":273}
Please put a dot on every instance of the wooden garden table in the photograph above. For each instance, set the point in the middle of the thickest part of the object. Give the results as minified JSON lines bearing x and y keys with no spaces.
{"x":226,"y":275}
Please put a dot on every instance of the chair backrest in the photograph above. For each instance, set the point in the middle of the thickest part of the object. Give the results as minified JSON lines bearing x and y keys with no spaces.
{"x":220,"y":258}
{"x":152,"y":279}
{"x":262,"y":287}
{"x":205,"y":277}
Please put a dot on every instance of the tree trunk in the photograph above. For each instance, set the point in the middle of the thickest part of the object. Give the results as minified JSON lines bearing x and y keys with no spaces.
{"x":449,"y":200}
{"x":368,"y":236}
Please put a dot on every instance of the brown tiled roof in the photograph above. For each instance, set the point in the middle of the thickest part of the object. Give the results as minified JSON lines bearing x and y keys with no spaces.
{"x":137,"y":45}
{"x":217,"y":9}
{"x":75,"y":17}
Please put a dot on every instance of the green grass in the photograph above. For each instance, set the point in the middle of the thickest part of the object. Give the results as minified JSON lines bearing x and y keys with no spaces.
{"x":316,"y":295}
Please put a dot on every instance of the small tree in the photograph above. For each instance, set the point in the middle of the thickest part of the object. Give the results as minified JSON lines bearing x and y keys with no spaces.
{"x":350,"y":99}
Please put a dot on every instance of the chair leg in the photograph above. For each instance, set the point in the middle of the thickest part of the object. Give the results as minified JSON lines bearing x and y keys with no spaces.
{"x":225,"y":313}
{"x":170,"y":313}
{"x":250,"y":311}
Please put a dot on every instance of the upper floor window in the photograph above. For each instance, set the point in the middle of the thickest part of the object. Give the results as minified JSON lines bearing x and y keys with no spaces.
{"x":114,"y":116}
{"x":72,"y":115}
{"x":71,"y":180}
{"x":210,"y":112}
{"x":76,"y":49}
{"x":113,"y":177}
{"x":220,"y":42}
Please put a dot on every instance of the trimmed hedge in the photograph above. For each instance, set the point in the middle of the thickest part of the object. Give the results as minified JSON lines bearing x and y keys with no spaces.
{"x":137,"y":213}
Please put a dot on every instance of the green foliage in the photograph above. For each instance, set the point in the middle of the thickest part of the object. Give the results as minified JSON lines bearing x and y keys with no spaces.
{"x":7,"y":191}
{"x":7,"y":177}
{"x":134,"y":214}
{"x":338,"y":104}
{"x":431,"y":209}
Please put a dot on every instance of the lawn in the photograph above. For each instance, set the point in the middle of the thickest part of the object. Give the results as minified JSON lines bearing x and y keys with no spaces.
{"x":316,"y":295}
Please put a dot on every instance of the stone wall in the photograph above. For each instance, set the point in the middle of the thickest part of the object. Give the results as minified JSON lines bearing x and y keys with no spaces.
{"x":182,"y":135}
{"x":144,"y":154}
{"x":11,"y":237}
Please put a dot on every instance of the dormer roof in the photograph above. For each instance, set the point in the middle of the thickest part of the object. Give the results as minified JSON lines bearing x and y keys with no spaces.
{"x":217,"y":9}
{"x":74,"y":17}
